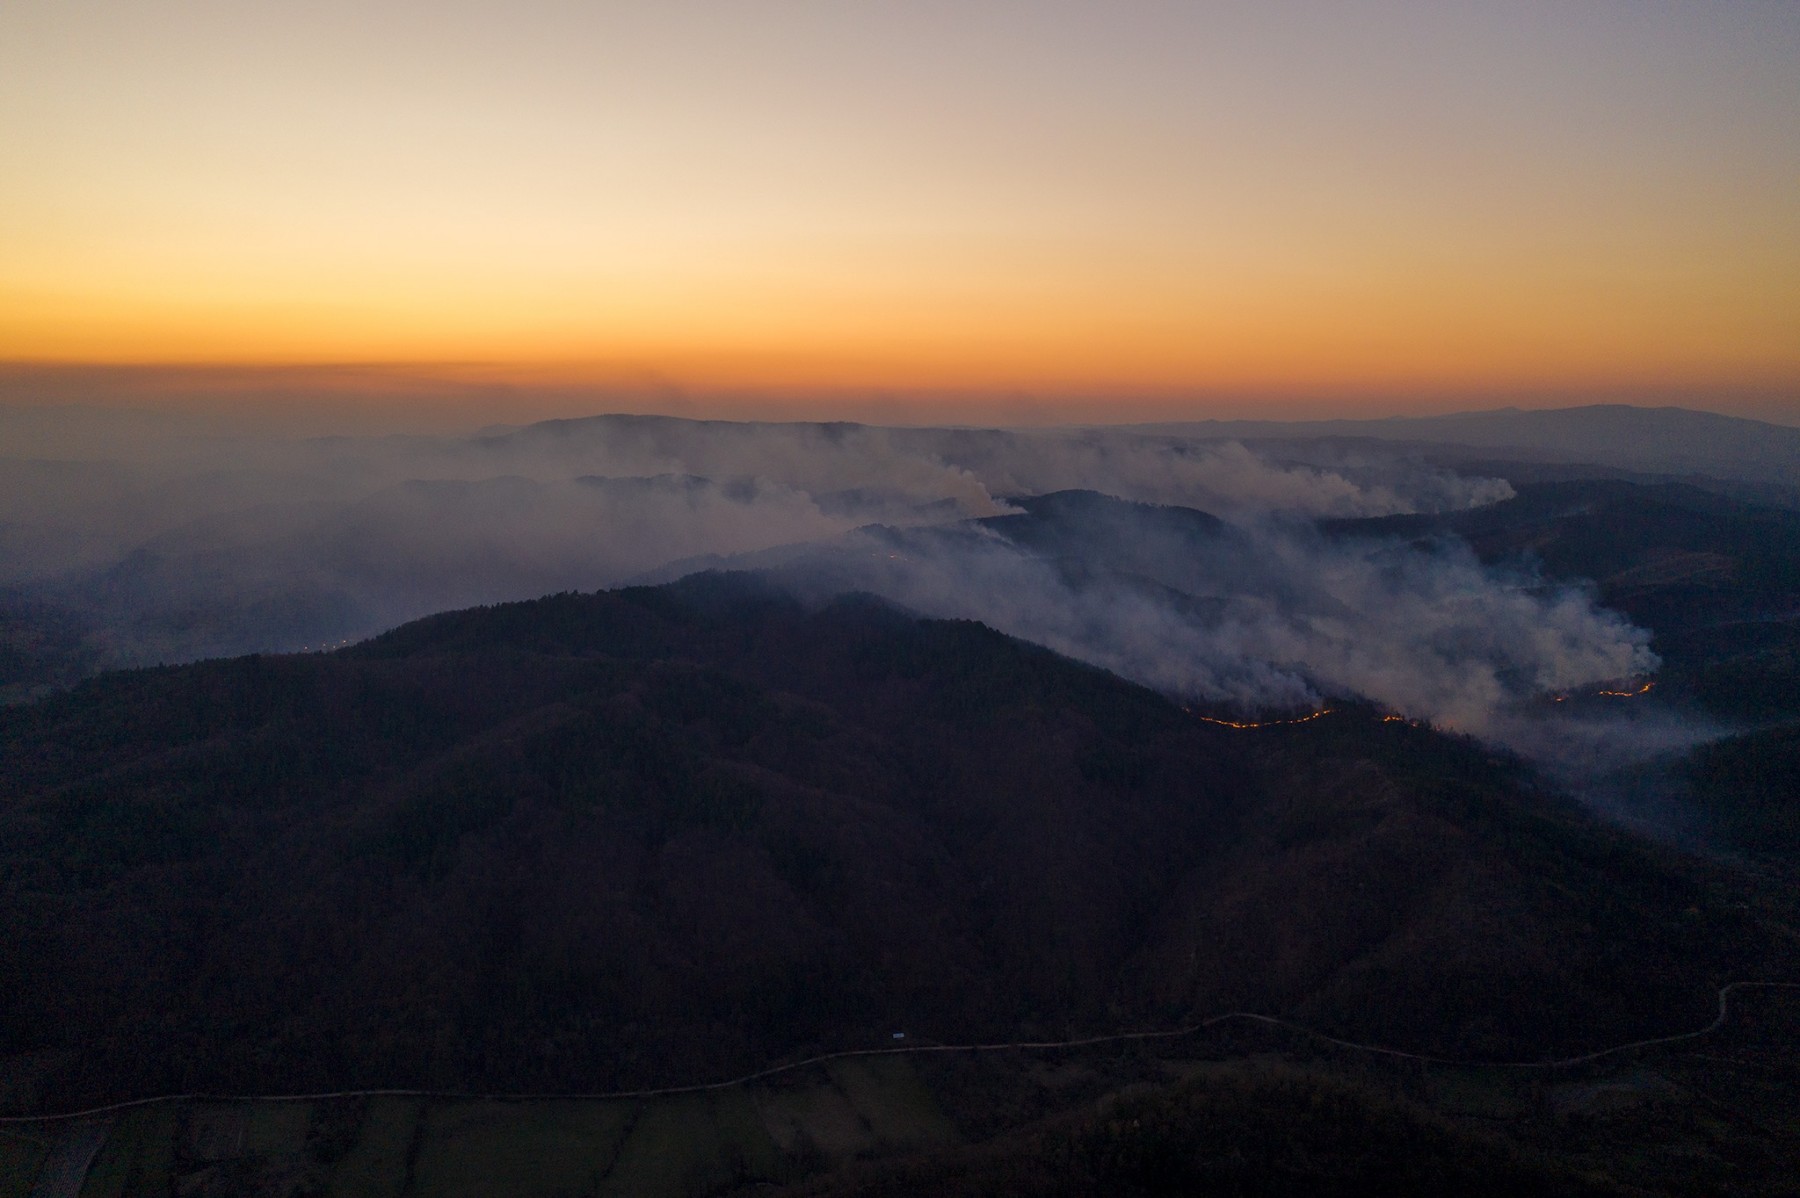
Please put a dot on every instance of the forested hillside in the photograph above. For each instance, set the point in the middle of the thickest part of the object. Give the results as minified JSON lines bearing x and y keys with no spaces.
{"x":678,"y":833}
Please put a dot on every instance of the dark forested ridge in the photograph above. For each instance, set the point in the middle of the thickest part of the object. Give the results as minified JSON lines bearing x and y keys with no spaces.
{"x":673,"y":834}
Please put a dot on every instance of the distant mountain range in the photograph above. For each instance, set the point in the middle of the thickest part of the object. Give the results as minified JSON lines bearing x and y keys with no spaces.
{"x":1677,"y":441}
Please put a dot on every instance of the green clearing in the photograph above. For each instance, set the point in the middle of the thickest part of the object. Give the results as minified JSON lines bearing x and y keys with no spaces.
{"x":153,"y":1175}
{"x":674,"y":1151}
{"x":814,"y":1119}
{"x":891,"y":1099}
{"x":73,"y":1146}
{"x":681,"y":1146}
{"x":375,"y":1166}
{"x":22,"y":1153}
{"x":483,"y":1149}
{"x":216,"y":1131}
{"x":138,"y":1156}
{"x":278,"y":1128}
{"x":748,"y":1148}
{"x":1485,"y":1094}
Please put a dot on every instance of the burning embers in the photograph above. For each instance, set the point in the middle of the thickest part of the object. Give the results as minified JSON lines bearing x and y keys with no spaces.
{"x":1305,"y":719}
{"x":1645,"y":689}
{"x":1394,"y":718}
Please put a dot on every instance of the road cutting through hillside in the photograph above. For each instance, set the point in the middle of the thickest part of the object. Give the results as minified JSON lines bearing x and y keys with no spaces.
{"x":1718,"y":1021}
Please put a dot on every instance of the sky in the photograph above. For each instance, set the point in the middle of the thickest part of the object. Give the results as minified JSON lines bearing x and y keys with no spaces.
{"x":923,"y":211}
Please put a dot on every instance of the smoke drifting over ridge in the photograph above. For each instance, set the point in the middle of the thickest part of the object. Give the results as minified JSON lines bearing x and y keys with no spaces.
{"x":564,"y":488}
{"x":1261,"y":615}
{"x":305,"y":543}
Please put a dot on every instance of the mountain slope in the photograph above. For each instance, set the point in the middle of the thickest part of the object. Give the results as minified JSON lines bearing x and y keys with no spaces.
{"x":675,"y":833}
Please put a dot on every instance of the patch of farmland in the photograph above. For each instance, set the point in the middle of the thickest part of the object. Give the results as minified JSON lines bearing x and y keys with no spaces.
{"x":889,"y":1096}
{"x":216,"y":1131}
{"x":751,"y":1153}
{"x":814,"y":1123}
{"x":278,"y":1128}
{"x":375,"y":1166}
{"x":70,"y":1155}
{"x":674,"y":1151}
{"x":138,"y":1156}
{"x":22,"y":1154}
{"x":498,"y":1149}
{"x":1482,"y":1093}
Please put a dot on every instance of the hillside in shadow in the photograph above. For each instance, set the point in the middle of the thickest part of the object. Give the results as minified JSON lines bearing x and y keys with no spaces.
{"x":678,"y":833}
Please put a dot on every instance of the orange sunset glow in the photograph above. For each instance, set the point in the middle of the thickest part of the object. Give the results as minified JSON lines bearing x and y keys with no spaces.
{"x":1396,"y":205}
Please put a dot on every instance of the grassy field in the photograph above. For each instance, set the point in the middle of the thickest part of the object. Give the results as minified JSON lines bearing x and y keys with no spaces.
{"x":682,"y":1146}
{"x":812,"y":1120}
{"x":495,"y":1149}
{"x":278,"y":1128}
{"x":22,"y":1152}
{"x":749,"y":1149}
{"x":216,"y":1131}
{"x":1486,"y":1094}
{"x":73,"y":1146}
{"x":138,"y":1156}
{"x":1698,"y":1116}
{"x":677,"y":1146}
{"x":376,"y":1165}
{"x":889,"y":1097}
{"x":674,"y":1151}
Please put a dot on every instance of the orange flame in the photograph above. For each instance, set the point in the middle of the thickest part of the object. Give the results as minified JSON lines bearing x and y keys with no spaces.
{"x":1265,"y":723}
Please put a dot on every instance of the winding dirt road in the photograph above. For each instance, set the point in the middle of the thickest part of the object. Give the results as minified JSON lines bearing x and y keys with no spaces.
{"x":1725,"y":993}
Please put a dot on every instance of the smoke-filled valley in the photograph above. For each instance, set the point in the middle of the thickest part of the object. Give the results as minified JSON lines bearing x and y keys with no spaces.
{"x":1259,"y":578}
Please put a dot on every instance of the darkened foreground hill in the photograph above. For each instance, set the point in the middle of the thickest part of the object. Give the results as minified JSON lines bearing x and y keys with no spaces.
{"x":674,"y":834}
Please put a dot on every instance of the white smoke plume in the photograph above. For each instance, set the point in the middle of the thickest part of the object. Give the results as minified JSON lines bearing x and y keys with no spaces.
{"x":1264,"y":617}
{"x":216,"y":547}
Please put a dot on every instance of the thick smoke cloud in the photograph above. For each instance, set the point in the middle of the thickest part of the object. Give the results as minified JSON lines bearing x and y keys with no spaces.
{"x":1223,"y":477}
{"x":213,"y":545}
{"x":212,"y":495}
{"x":1269,"y":616}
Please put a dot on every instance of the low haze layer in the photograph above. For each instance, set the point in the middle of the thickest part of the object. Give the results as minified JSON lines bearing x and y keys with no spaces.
{"x":1254,"y":576}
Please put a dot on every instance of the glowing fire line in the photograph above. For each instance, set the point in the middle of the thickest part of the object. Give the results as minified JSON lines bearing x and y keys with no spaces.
{"x":1642,"y":690}
{"x":1386,"y":719}
{"x":1262,"y":723}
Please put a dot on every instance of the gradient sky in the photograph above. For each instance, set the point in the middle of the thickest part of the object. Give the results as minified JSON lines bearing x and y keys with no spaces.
{"x":1121,"y":207}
